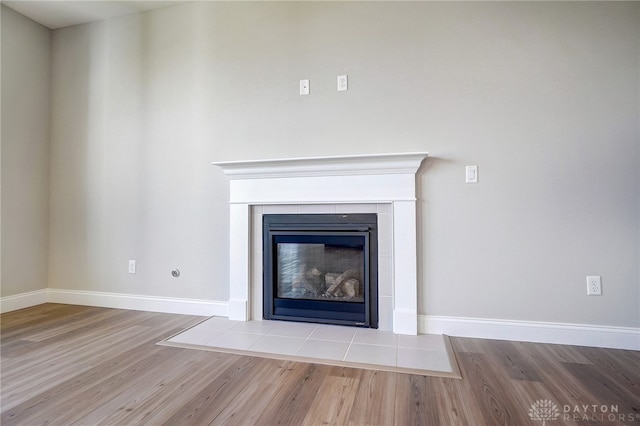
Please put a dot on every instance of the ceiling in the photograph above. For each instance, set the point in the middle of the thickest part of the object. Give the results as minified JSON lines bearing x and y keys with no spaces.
{"x":55,"y":14}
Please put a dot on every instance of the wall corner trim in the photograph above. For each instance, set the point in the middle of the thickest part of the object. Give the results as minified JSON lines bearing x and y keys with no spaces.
{"x":533,"y":331}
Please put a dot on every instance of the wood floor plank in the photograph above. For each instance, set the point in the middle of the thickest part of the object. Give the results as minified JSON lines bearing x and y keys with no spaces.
{"x":511,"y":360}
{"x":559,"y":353}
{"x":145,"y":400}
{"x":623,"y":366}
{"x":456,"y":402}
{"x":16,"y":348}
{"x":64,"y":365}
{"x":81,"y":394}
{"x":469,"y":345}
{"x":495,"y":402}
{"x":606,"y":389}
{"x":212,"y":400}
{"x":372,"y":406}
{"x":56,"y":363}
{"x":563,"y":387}
{"x":172,"y":392}
{"x":33,"y":320}
{"x":73,"y":325}
{"x":290,"y":403}
{"x":249,"y":405}
{"x":59,"y":366}
{"x":413,"y":405}
{"x":334,"y":401}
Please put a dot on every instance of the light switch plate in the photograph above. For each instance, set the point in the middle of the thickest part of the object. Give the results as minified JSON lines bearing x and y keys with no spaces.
{"x":472,"y":174}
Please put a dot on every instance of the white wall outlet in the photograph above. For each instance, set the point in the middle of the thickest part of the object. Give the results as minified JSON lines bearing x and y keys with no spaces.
{"x":132,"y":266}
{"x":594,"y":286}
{"x":471,"y":174}
{"x":342,"y":83}
{"x":304,"y":87}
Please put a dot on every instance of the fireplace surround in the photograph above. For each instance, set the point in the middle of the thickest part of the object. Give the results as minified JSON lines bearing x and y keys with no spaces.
{"x":385,"y":182}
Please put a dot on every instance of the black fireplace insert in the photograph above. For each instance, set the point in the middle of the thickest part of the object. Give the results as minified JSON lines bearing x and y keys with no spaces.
{"x":321,"y":268}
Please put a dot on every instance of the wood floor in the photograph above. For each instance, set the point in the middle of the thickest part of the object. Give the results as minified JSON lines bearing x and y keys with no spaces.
{"x":64,"y":364}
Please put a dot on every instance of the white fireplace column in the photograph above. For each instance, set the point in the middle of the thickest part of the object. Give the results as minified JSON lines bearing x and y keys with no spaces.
{"x":380,"y":179}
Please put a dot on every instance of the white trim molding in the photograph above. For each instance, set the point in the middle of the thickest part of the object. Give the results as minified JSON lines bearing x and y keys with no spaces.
{"x":23,"y":300}
{"x":135,"y":302}
{"x":530,"y":331}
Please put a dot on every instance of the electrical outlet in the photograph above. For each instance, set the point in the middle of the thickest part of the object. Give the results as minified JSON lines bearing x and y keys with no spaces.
{"x":132,"y":266}
{"x":594,"y":286}
{"x":342,"y":83}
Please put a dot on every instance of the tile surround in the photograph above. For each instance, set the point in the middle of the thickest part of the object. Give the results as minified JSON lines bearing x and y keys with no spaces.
{"x":385,"y":260}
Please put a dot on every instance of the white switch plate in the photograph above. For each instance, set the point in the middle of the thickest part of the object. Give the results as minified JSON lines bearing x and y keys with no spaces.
{"x":472,"y":174}
{"x":342,"y":83}
{"x":304,"y":87}
{"x":132,"y":266}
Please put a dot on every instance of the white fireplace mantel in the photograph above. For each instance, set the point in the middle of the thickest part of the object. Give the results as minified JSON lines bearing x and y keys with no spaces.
{"x":379,"y":178}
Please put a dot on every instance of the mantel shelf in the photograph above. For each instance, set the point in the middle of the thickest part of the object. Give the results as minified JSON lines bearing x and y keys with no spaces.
{"x":350,"y":165}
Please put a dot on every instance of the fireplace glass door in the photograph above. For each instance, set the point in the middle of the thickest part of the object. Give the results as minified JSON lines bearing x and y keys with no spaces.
{"x":330,"y":269}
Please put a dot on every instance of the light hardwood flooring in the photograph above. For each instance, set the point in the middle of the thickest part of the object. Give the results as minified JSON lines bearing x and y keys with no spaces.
{"x":64,"y":364}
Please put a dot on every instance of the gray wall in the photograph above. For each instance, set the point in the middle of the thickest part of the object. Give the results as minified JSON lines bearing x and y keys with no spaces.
{"x":26,"y":70}
{"x":543,"y":96}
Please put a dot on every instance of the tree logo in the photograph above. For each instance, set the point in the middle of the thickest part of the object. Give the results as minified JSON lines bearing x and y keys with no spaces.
{"x":544,"y":410}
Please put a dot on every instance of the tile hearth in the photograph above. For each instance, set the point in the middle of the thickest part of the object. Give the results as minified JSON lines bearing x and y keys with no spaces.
{"x":426,"y":354}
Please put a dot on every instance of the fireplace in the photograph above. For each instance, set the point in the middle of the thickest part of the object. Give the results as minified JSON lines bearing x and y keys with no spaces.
{"x":321,"y":268}
{"x":385,"y":182}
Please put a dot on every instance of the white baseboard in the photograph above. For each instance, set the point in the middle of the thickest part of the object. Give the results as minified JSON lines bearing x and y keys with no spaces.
{"x":23,"y":300}
{"x":116,"y":300}
{"x":529,"y":331}
{"x":524,"y":331}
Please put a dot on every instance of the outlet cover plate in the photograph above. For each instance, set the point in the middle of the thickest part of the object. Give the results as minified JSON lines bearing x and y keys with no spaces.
{"x":594,"y":285}
{"x":304,"y":87}
{"x":343,"y":83}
